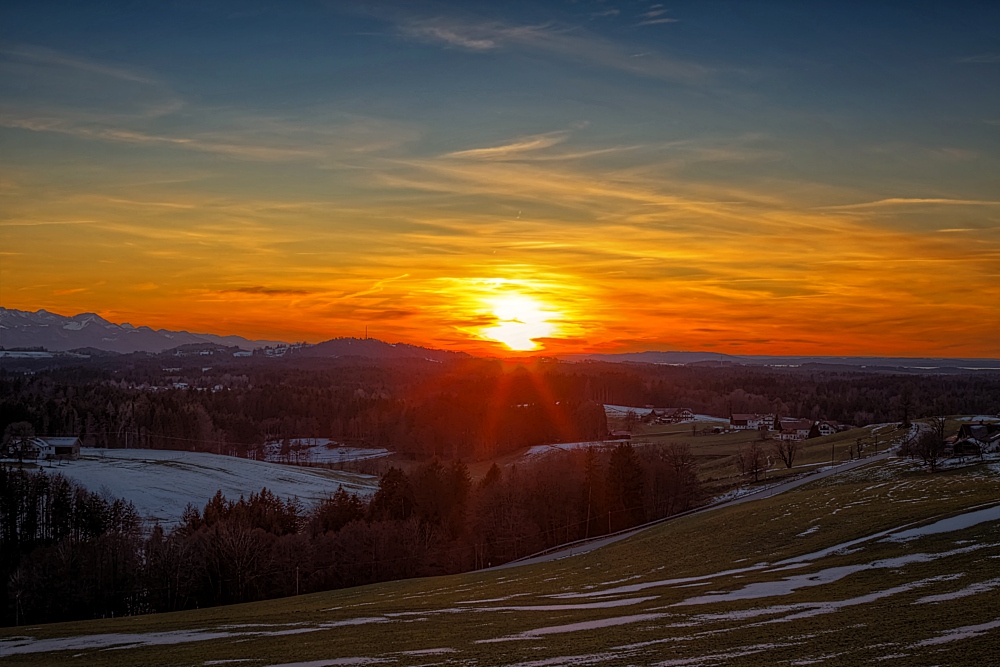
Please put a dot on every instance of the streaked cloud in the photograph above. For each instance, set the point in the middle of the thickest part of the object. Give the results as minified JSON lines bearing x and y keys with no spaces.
{"x":986,"y":58}
{"x":266,"y":291}
{"x":450,"y":36}
{"x":521,"y":145}
{"x":45,"y":56}
{"x":574,"y":44}
{"x":656,"y":21}
{"x":916,"y":201}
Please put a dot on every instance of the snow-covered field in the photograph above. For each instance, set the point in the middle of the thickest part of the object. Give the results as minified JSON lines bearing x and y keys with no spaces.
{"x":161,"y":482}
{"x":320,"y":450}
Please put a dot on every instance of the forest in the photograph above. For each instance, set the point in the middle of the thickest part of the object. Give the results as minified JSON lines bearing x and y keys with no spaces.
{"x":474,"y":409}
{"x":70,"y":554}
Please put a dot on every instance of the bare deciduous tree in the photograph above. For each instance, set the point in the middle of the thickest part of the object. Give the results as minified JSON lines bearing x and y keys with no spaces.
{"x":929,"y":445}
{"x":751,"y":459}
{"x":787,"y":450}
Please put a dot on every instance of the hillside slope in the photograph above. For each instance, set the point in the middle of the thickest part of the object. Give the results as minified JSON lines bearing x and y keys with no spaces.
{"x":160,"y":483}
{"x":859,"y":568}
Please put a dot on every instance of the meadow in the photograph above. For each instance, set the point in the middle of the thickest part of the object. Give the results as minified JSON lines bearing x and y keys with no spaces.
{"x":832,"y":572}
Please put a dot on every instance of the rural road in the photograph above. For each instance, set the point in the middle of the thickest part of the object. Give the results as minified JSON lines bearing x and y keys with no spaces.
{"x":584,"y":547}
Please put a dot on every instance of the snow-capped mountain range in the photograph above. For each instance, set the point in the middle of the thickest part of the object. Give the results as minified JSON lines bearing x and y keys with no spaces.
{"x":58,"y":333}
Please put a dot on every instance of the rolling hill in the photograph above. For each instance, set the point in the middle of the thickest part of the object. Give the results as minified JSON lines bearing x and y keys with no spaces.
{"x":372,"y":348}
{"x":884,"y":564}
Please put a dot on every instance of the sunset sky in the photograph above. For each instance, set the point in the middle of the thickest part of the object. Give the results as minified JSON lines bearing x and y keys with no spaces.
{"x":752,"y":178}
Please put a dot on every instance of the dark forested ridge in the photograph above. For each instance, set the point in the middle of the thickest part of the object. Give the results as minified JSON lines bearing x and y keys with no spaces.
{"x":464,"y":408}
{"x":70,"y":554}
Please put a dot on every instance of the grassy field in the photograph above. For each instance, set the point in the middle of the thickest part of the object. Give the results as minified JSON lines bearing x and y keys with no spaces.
{"x":715,"y":453}
{"x":778,"y":581}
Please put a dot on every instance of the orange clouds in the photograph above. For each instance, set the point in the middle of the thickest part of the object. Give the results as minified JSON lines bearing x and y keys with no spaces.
{"x":421,"y":250}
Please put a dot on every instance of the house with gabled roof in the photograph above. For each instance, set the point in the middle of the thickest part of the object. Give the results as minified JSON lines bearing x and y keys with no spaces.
{"x":793,"y":429}
{"x":51,"y":449}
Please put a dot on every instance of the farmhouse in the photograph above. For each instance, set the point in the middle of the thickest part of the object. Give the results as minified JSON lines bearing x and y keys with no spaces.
{"x":977,"y":439}
{"x":668,"y":415}
{"x":47,"y":449}
{"x":793,"y":429}
{"x":744,"y":422}
{"x":977,"y":430}
{"x":827,"y":427}
{"x":751,"y":422}
{"x":677,"y":414}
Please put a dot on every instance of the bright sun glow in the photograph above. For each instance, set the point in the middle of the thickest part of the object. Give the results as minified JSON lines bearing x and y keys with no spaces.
{"x":520,"y":320}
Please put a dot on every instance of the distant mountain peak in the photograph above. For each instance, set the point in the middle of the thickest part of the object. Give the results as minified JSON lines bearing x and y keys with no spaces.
{"x":60,"y":333}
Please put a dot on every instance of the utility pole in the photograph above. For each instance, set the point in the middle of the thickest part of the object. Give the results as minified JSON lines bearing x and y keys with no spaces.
{"x":296,"y":580}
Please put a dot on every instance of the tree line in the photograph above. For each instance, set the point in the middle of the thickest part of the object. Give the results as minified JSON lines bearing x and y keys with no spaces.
{"x":471,"y":409}
{"x":486,"y":413}
{"x":71,"y":554}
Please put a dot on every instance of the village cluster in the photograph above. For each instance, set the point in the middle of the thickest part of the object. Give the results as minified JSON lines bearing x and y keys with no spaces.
{"x":784,"y":428}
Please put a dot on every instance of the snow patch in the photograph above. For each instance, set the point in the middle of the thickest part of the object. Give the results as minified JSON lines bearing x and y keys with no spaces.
{"x":574,"y":627}
{"x":964,"y":632}
{"x":951,"y":524}
{"x":972,"y":589}
{"x":160,"y":483}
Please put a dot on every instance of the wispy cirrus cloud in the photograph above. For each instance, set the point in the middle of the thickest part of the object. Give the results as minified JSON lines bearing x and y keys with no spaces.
{"x":85,"y":98}
{"x":245,"y":136}
{"x":985,"y":58}
{"x":378,"y":287}
{"x":49,"y":81}
{"x":267,"y":291}
{"x":451,"y":37}
{"x":522,"y":145}
{"x":656,"y":22}
{"x":914,"y":201}
{"x":44,"y":56}
{"x":573,"y":44}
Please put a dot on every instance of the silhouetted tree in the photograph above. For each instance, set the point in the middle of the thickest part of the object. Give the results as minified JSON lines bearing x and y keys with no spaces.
{"x":751,"y":459}
{"x":16,"y":438}
{"x":624,"y":487}
{"x":787,"y":450}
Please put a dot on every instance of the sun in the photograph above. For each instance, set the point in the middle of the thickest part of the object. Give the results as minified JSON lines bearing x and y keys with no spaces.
{"x":520,"y":321}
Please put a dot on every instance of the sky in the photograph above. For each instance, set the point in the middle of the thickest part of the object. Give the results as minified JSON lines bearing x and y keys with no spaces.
{"x":553,"y":177}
